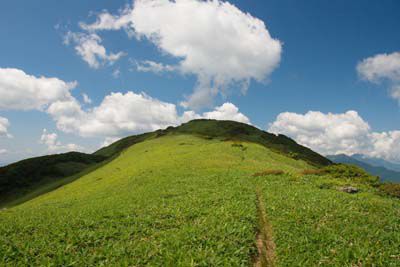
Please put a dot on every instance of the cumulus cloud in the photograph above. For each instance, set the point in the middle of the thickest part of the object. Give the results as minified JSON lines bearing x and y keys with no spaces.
{"x":88,"y":46}
{"x":53,"y":145}
{"x":130,"y":112}
{"x":118,"y":114}
{"x":332,"y":133}
{"x":213,"y":40}
{"x":155,"y":67}
{"x":86,"y":99}
{"x":116,"y":73}
{"x":227,"y":111}
{"x":21,"y":91}
{"x":382,"y":67}
{"x":67,"y":114}
{"x":121,"y":114}
{"x":109,"y":140}
{"x":4,"y":124}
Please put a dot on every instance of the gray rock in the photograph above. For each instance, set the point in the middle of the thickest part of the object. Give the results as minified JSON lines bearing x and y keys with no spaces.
{"x":349,"y":189}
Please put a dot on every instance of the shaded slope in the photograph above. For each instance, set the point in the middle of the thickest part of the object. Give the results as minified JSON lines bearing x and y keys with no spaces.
{"x":385,"y":174}
{"x":23,"y":177}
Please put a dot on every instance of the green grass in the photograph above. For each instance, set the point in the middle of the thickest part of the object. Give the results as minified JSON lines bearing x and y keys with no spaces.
{"x":226,"y":130}
{"x":181,"y":200}
{"x":28,"y":177}
{"x":315,"y":224}
{"x":176,"y":200}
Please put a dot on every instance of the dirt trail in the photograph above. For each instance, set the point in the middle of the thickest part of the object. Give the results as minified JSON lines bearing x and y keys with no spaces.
{"x":265,"y":243}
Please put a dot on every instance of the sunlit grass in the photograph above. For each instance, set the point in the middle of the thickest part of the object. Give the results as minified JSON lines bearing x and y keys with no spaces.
{"x":180,"y":200}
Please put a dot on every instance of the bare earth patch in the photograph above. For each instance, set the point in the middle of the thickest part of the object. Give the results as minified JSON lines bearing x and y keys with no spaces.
{"x":265,"y":243}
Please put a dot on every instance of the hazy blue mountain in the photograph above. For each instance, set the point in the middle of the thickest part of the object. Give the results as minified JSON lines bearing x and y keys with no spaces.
{"x":377,"y":162}
{"x":386,"y":174}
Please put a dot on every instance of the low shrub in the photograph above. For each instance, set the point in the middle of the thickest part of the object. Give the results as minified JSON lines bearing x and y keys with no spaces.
{"x":344,"y":171}
{"x":237,"y":145}
{"x":268,"y":172}
{"x":325,"y":186}
{"x":390,"y":189}
{"x":312,"y":172}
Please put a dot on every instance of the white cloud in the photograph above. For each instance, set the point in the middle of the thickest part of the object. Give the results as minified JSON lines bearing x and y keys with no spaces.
{"x":67,"y":114}
{"x":151,"y":66}
{"x":3,"y":151}
{"x":106,"y":21}
{"x":55,"y":146}
{"x":213,"y":40}
{"x":332,"y":133}
{"x":122,"y":114}
{"x":116,"y":73}
{"x":86,"y":99}
{"x":4,"y":124}
{"x":118,"y":114}
{"x":227,"y":111}
{"x":386,"y":145}
{"x":130,"y":112}
{"x":21,"y":91}
{"x":88,"y":46}
{"x":109,"y":140}
{"x":382,"y":67}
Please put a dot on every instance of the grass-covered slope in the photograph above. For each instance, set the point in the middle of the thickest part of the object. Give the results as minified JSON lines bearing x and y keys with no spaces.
{"x":31,"y":177}
{"x":181,"y":200}
{"x":226,"y":130}
{"x":24,"y":177}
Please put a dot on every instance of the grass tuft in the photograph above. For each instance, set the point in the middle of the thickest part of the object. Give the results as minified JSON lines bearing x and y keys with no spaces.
{"x":390,"y":189}
{"x":268,"y":172}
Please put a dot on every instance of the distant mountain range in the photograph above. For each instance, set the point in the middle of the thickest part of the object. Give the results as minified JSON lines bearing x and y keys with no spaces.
{"x":378,"y":162}
{"x":388,"y":171}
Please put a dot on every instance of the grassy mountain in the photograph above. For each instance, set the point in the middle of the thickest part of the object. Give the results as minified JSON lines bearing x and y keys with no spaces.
{"x":174,"y":198}
{"x":384,"y":173}
{"x":26,"y":179}
{"x":226,"y":130}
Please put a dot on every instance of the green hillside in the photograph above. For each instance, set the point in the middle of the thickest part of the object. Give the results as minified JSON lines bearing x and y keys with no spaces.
{"x":39,"y":174}
{"x":29,"y":178}
{"x":226,"y":130}
{"x":186,"y":200}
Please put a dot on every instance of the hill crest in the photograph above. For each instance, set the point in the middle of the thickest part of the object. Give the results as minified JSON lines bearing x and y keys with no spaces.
{"x":43,"y":174}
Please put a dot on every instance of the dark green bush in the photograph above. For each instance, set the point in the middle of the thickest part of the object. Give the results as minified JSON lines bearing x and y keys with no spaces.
{"x":390,"y":189}
{"x":344,"y":171}
{"x":268,"y":172}
{"x":312,"y":172}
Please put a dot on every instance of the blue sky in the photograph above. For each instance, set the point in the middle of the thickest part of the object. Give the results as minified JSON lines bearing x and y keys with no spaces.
{"x":322,"y":43}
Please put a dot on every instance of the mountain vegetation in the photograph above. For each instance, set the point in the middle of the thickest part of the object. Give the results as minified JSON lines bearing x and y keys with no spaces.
{"x":29,"y":178}
{"x":385,"y":174}
{"x":207,"y":193}
{"x":24,"y":177}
